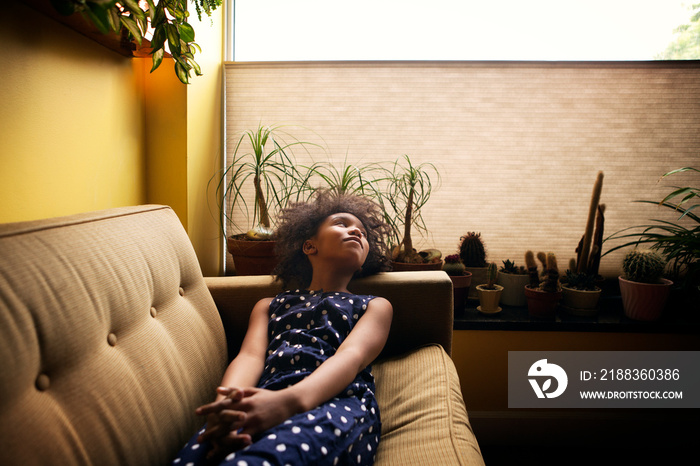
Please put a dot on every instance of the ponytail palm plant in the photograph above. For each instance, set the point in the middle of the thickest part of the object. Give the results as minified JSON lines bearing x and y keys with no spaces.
{"x":263,"y":163}
{"x":409,"y":189}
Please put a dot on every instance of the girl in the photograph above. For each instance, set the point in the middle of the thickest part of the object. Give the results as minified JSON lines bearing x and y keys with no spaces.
{"x":300,"y":391}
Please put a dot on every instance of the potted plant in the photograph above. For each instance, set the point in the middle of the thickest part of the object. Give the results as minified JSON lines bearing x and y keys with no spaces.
{"x":262,"y":165}
{"x":513,"y":279}
{"x":166,"y":18}
{"x":490,"y":292}
{"x":461,"y":279}
{"x":644,"y":291}
{"x":408,"y":191}
{"x":678,"y":241}
{"x":473,"y":254}
{"x":543,"y":295}
{"x":580,"y":291}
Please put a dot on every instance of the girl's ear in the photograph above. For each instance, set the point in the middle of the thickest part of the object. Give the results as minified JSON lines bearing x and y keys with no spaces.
{"x":308,"y":248}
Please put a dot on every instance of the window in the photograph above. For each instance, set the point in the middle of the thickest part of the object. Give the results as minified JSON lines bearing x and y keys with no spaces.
{"x":571,"y":30}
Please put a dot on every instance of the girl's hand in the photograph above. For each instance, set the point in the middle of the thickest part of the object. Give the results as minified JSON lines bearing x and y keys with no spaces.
{"x":264,"y":409}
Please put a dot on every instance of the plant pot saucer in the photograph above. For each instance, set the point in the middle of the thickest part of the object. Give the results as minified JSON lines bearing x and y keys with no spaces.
{"x":495,"y":311}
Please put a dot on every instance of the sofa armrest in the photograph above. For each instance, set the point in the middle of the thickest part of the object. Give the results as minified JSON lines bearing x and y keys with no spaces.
{"x":422,"y":301}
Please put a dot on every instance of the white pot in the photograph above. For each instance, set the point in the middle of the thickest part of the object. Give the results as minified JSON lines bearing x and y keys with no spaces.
{"x":513,"y":288}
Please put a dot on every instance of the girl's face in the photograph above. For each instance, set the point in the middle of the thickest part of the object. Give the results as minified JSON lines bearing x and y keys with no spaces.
{"x":341,"y":237}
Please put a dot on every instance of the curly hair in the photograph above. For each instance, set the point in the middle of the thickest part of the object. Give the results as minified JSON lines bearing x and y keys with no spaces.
{"x":300,"y":222}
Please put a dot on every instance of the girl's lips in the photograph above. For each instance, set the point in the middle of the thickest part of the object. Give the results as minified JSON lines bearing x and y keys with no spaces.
{"x":356,"y":240}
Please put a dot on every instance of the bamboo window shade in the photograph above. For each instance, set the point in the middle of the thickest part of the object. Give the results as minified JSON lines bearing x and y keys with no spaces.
{"x":518,"y":144}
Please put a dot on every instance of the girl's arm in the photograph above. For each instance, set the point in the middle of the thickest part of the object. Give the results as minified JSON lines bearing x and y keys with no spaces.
{"x":247,"y":367}
{"x":223,"y":420}
{"x":265,"y":409}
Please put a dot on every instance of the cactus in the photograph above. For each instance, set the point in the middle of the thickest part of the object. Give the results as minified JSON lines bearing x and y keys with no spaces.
{"x":532,"y":269}
{"x":472,"y":250}
{"x":491,"y":275}
{"x":644,"y":266}
{"x":510,"y":267}
{"x":551,"y":275}
{"x":453,"y":265}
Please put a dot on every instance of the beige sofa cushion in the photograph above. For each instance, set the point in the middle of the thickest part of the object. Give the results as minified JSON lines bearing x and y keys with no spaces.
{"x":424,"y":420}
{"x":109,"y":339}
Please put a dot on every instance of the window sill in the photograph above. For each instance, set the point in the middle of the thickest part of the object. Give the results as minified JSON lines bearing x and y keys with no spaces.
{"x":676,"y":319}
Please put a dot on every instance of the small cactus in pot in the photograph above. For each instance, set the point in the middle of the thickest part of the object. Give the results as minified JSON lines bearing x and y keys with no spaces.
{"x":513,"y":279}
{"x":644,"y":266}
{"x":644,"y":292}
{"x":544,"y":292}
{"x":490,"y":293}
{"x":453,"y":265}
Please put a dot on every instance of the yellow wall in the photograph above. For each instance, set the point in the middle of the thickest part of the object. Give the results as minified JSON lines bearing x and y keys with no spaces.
{"x":83,"y":128}
{"x":71,"y":123}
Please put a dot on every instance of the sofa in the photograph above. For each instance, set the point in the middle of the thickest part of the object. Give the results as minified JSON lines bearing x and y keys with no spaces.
{"x":110,"y":337}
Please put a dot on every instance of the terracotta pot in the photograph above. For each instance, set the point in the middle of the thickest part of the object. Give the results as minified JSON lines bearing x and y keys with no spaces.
{"x":409,"y":267}
{"x":478,"y":277}
{"x":460,"y":289}
{"x":644,"y":301}
{"x":489,"y":299}
{"x":252,"y":257}
{"x":581,"y":302}
{"x":513,"y":289}
{"x":542,"y":304}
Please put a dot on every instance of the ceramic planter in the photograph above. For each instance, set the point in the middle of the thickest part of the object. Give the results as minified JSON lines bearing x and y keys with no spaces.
{"x":478,"y":277}
{"x":489,"y":299}
{"x":644,"y":301}
{"x":513,"y":288}
{"x":542,"y":304}
{"x":460,"y":289}
{"x":581,"y":302}
{"x":252,"y":257}
{"x":410,"y":267}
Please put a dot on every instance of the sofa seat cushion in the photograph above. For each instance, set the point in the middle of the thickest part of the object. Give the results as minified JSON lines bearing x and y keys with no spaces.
{"x":424,"y":420}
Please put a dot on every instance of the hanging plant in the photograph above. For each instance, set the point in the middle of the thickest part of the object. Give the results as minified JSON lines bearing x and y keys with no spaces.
{"x":166,"y":18}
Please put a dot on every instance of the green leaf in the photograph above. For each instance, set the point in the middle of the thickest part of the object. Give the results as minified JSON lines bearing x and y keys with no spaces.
{"x":181,"y":73}
{"x":157,"y":58}
{"x":173,"y":38}
{"x":99,"y":16}
{"x":186,"y":32}
{"x":133,"y":28}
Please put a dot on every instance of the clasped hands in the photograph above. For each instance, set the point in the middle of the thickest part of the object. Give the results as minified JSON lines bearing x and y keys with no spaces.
{"x":239,"y":414}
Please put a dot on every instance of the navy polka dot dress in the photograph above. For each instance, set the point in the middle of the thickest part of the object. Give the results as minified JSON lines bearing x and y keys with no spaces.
{"x":305,"y":329}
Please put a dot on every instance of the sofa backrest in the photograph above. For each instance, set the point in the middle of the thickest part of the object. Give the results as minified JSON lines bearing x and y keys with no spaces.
{"x":422,"y":302}
{"x":109,"y":339}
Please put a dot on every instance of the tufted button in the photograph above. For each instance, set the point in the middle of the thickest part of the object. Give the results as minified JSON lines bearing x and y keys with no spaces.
{"x":43,"y":382}
{"x":112,"y":339}
{"x":182,"y":291}
{"x":154,"y":313}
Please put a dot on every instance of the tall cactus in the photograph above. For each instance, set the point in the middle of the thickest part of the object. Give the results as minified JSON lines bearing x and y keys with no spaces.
{"x":472,"y":250}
